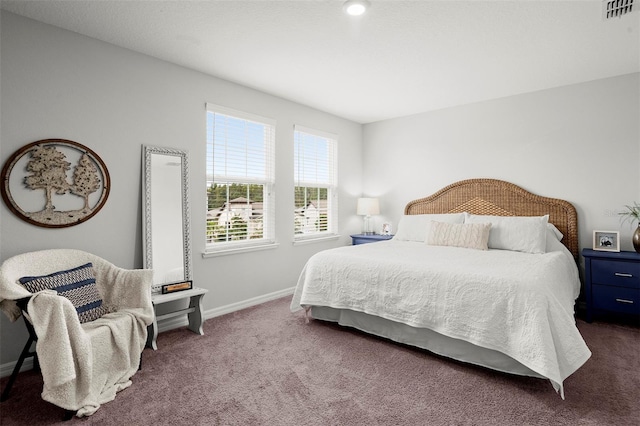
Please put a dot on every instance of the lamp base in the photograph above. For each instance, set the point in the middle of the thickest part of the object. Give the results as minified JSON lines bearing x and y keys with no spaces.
{"x":366,"y":229}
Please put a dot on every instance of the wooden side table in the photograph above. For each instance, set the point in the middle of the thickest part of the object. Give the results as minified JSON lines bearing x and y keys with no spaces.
{"x":368,"y":238}
{"x":193,"y":312}
{"x":612,"y":282}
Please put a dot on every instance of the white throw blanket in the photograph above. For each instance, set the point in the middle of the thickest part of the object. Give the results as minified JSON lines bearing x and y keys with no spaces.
{"x":84,"y":365}
{"x":516,"y":303}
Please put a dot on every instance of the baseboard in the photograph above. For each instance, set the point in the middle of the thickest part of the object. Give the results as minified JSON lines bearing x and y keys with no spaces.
{"x":7,"y":369}
{"x":223,"y":310}
{"x":169,"y":324}
{"x":172,"y":323}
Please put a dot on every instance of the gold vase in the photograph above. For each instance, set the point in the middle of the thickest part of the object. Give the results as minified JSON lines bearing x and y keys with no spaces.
{"x":636,"y":239}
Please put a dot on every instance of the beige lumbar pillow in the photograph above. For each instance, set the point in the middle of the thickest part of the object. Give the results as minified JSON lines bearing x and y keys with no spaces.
{"x":468,"y":235}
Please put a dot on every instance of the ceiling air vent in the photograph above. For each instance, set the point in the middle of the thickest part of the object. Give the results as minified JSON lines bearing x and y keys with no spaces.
{"x":617,"y":8}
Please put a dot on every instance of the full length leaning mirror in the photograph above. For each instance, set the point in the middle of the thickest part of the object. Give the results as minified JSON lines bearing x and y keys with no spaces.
{"x":166,"y":220}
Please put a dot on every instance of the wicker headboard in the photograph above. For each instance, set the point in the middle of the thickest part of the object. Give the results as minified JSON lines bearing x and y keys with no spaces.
{"x":500,"y":198}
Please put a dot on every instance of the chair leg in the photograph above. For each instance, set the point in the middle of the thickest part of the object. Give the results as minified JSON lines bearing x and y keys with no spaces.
{"x":36,"y":362}
{"x":26,"y":351}
{"x":68,"y":415}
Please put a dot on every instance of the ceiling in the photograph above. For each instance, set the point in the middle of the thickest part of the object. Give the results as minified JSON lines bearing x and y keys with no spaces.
{"x":398,"y":59}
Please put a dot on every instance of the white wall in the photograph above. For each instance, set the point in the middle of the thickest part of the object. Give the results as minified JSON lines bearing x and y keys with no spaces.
{"x":58,"y":84}
{"x":580,"y":143}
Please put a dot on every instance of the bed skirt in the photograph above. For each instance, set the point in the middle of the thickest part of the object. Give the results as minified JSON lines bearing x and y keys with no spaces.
{"x":425,"y":339}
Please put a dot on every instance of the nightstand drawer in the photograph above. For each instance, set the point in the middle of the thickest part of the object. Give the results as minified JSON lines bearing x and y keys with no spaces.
{"x":366,"y":239}
{"x":616,"y":299}
{"x":618,"y":273}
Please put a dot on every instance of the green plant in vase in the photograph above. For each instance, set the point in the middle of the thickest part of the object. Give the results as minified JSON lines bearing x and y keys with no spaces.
{"x":633,"y":214}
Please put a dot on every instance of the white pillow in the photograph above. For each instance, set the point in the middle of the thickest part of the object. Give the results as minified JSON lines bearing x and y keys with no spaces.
{"x":555,"y":231}
{"x":518,"y":233}
{"x":554,"y":238}
{"x":414,"y":227}
{"x":468,"y":235}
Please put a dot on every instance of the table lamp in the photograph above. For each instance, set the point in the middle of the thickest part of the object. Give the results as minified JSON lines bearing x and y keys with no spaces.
{"x":368,"y":207}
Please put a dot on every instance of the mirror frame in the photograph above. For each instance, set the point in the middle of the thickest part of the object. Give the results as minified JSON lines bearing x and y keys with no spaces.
{"x":147,"y":152}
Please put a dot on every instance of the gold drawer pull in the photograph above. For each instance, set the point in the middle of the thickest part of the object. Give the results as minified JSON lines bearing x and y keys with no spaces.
{"x":620,"y":274}
{"x":625,"y":301}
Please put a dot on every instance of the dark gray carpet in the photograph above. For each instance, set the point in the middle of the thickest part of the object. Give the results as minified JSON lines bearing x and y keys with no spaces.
{"x":265,"y":366}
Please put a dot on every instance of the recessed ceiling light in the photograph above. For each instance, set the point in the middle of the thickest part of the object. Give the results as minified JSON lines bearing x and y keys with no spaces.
{"x":355,"y":7}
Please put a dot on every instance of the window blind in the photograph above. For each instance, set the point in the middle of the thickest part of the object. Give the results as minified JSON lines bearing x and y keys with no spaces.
{"x":240,"y":178}
{"x":315,"y":183}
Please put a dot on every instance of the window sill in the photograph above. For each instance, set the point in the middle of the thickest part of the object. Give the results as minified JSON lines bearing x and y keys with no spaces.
{"x":311,"y":240}
{"x":237,"y":250}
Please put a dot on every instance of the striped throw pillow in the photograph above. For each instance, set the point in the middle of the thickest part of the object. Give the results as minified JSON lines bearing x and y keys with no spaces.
{"x":77,"y":284}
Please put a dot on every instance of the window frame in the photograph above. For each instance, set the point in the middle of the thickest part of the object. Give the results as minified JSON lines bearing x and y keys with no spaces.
{"x":331,"y":185}
{"x":268,"y":240}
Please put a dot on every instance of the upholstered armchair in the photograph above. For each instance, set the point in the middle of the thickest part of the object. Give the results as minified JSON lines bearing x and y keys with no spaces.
{"x":90,"y":321}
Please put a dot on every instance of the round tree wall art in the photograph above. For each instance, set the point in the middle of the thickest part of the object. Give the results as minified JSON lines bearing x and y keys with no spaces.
{"x":55,"y":183}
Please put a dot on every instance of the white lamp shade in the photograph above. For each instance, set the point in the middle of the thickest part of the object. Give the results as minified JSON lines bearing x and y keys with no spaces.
{"x":368,"y":206}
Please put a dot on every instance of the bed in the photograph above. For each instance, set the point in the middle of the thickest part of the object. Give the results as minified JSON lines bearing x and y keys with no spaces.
{"x":482,"y":271}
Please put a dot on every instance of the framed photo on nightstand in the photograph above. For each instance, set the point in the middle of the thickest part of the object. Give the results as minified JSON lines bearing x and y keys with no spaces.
{"x":606,"y":240}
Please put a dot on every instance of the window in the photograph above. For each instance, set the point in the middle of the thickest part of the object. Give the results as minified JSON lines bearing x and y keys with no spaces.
{"x":315,"y":184}
{"x":240,"y":177}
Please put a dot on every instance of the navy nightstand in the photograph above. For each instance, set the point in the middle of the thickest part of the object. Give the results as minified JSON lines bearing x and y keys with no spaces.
{"x":365,"y":239}
{"x":612,"y":282}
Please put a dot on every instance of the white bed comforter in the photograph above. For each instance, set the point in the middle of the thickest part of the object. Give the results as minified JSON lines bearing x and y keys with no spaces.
{"x":516,"y":303}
